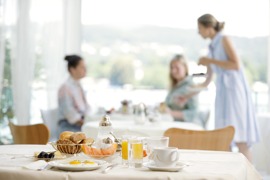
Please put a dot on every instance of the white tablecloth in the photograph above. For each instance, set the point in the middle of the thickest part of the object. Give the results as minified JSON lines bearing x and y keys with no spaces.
{"x":124,"y":117}
{"x":128,"y":127}
{"x":261,"y":150}
{"x":203,"y":165}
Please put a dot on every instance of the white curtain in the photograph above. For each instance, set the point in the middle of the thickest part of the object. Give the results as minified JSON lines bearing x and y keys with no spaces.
{"x":62,"y":37}
{"x":60,"y":34}
{"x":2,"y":40}
{"x":53,"y":57}
{"x":23,"y":63}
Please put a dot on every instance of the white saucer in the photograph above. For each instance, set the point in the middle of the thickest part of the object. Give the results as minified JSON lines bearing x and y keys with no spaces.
{"x":151,"y":165}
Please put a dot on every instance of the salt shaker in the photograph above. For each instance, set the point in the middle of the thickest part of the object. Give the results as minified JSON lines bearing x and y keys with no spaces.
{"x":104,"y":132}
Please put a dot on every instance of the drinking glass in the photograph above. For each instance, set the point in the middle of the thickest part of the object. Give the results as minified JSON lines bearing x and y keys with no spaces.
{"x":125,"y":152}
{"x":136,"y":152}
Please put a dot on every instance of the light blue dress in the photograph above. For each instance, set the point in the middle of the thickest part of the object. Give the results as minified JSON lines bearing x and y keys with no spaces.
{"x":233,"y":104}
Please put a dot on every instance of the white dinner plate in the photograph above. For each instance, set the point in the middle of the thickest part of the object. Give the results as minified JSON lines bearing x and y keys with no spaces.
{"x":151,"y":165}
{"x":64,"y":165}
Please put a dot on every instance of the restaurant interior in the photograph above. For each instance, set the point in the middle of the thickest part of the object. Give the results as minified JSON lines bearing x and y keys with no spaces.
{"x":134,"y":89}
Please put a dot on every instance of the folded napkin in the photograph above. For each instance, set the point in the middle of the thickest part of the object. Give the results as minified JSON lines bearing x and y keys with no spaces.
{"x":37,"y":165}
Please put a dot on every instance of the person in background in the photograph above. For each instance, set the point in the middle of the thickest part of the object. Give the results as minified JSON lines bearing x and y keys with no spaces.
{"x":72,"y":103}
{"x":233,"y":104}
{"x":180,"y":84}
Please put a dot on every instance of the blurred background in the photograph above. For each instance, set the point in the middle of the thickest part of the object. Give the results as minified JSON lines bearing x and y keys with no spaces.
{"x":127,"y":46}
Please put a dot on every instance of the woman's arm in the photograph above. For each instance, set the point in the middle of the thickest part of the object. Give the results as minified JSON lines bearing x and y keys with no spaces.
{"x":182,"y":100}
{"x":232,"y":62}
{"x":175,"y":114}
{"x":66,"y":106}
{"x":209,"y":76}
{"x":188,"y":113}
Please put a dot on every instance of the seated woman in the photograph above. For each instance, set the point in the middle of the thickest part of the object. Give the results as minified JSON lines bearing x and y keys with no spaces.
{"x":72,"y":103}
{"x":182,"y":109}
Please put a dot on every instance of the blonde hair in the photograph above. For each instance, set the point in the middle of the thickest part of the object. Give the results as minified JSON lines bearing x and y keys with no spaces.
{"x":180,"y":59}
{"x":208,"y":20}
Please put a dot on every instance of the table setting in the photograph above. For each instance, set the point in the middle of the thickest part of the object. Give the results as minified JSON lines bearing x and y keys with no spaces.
{"x":192,"y":164}
{"x":75,"y":155}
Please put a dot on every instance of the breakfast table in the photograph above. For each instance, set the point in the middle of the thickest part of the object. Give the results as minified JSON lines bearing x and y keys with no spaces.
{"x":15,"y":161}
{"x":129,"y":127}
{"x":125,"y":125}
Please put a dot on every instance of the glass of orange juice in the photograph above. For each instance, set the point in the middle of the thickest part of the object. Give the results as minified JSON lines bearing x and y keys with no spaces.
{"x":125,"y":151}
{"x":136,"y":155}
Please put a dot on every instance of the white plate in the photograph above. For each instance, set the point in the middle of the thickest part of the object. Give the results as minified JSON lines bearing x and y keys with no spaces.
{"x":151,"y":165}
{"x":64,"y":165}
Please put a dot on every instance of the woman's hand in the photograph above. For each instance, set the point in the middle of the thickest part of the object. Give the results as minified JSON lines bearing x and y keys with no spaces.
{"x":80,"y":122}
{"x":205,"y":61}
{"x":181,"y":101}
{"x":175,"y":114}
{"x":168,"y":110}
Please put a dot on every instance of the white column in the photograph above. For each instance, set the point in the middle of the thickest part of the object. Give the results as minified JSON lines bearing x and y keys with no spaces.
{"x":23,"y":63}
{"x":72,"y":26}
{"x":268,"y":64}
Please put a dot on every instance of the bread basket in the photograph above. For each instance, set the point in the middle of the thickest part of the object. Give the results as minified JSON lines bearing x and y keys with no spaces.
{"x":67,"y":148}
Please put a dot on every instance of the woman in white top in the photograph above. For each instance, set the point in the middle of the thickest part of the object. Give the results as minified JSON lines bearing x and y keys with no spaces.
{"x":71,"y":99}
{"x":233,"y":105}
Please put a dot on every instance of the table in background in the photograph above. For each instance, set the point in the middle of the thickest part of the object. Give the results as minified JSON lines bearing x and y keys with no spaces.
{"x":203,"y":165}
{"x":124,"y":117}
{"x":128,"y":127}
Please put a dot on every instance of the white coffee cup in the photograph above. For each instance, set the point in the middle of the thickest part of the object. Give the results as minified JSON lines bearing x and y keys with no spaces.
{"x":156,"y":142}
{"x":165,"y":156}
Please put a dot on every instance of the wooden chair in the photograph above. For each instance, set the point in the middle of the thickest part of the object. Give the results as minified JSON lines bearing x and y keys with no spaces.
{"x":29,"y":134}
{"x":218,"y":140}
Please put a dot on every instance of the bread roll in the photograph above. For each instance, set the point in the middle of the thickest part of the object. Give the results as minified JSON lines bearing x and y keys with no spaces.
{"x":77,"y":137}
{"x":65,"y":142}
{"x":65,"y":135}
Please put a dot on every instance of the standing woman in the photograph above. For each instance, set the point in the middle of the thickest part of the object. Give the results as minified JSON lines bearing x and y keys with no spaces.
{"x":233,"y":104}
{"x":72,"y":103}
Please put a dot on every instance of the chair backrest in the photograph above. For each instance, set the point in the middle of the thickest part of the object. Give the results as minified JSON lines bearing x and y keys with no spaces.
{"x":50,"y":118}
{"x":30,"y":134}
{"x":218,"y":140}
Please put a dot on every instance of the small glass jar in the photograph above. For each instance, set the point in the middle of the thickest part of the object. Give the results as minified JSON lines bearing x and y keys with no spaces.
{"x":104,"y":137}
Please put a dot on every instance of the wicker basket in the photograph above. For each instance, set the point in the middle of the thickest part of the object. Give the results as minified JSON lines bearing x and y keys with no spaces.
{"x":67,"y":147}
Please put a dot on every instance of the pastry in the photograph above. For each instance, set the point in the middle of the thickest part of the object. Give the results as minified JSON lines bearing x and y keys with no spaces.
{"x":64,"y":142}
{"x":77,"y":137}
{"x":65,"y":135}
